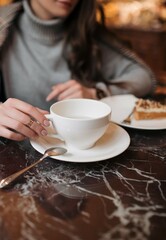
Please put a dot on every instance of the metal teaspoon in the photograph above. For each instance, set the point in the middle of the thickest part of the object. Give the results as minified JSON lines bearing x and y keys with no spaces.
{"x":54,"y":151}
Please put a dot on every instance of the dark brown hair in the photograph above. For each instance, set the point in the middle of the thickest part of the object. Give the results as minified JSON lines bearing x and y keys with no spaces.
{"x":83,"y":29}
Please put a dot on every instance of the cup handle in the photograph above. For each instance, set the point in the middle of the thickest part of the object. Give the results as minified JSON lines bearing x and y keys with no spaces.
{"x":55,"y":135}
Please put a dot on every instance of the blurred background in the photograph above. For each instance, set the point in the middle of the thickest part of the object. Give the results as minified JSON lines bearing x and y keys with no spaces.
{"x":3,"y":2}
{"x":143,"y":13}
{"x":142,"y":25}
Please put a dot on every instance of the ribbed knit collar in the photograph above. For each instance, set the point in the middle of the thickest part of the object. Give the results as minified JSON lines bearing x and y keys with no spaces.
{"x":46,"y":31}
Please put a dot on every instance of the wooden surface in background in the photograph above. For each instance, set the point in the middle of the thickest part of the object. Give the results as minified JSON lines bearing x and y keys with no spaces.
{"x":150,"y":45}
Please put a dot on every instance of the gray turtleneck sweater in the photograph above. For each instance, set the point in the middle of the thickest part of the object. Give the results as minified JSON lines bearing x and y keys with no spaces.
{"x":33,"y":62}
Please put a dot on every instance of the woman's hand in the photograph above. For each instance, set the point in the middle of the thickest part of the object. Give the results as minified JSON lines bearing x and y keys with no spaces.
{"x":71,"y":89}
{"x":20,"y":120}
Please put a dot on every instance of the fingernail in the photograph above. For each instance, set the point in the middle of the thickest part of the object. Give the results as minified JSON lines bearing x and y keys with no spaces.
{"x":44,"y":133}
{"x":46,"y":123}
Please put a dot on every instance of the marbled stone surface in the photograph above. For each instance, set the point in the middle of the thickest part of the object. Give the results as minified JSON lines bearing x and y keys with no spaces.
{"x":123,"y":198}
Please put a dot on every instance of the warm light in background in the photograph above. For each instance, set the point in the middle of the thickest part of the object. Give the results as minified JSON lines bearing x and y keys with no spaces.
{"x":3,"y":2}
{"x":148,"y":14}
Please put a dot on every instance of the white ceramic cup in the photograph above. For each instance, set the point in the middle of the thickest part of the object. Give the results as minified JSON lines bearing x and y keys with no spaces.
{"x":80,"y":122}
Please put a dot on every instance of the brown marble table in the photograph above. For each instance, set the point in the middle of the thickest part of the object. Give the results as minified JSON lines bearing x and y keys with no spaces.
{"x":120,"y":198}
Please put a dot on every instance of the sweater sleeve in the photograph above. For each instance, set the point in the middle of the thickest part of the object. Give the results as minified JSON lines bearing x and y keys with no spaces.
{"x":124,"y":73}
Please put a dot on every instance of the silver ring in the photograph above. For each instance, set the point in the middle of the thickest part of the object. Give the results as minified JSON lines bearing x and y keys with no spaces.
{"x":30,"y":123}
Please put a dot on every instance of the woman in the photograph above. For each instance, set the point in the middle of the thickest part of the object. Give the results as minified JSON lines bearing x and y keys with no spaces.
{"x":52,"y":50}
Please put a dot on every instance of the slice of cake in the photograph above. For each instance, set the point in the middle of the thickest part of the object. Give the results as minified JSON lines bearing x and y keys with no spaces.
{"x":149,"y":109}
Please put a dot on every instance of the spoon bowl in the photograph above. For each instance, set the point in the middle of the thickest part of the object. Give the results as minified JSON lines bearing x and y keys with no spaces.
{"x":50,"y":152}
{"x":54,"y":151}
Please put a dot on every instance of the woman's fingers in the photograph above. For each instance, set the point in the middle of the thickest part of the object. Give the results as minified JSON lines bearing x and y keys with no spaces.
{"x":16,"y":117}
{"x":22,"y":121}
{"x":28,"y":109}
{"x":74,"y":91}
{"x":7,"y":133}
{"x":71,"y":89}
{"x":17,"y":126}
{"x":42,"y":111}
{"x":56,"y":90}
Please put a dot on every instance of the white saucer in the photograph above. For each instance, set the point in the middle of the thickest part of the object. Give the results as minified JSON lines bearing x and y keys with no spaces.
{"x":122,"y":106}
{"x":115,"y":141}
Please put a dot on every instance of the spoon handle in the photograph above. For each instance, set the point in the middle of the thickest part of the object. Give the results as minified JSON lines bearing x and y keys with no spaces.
{"x":6,"y":181}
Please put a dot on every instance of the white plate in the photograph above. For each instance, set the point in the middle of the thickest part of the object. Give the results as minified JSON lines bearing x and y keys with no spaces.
{"x":122,"y":106}
{"x":115,"y":141}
